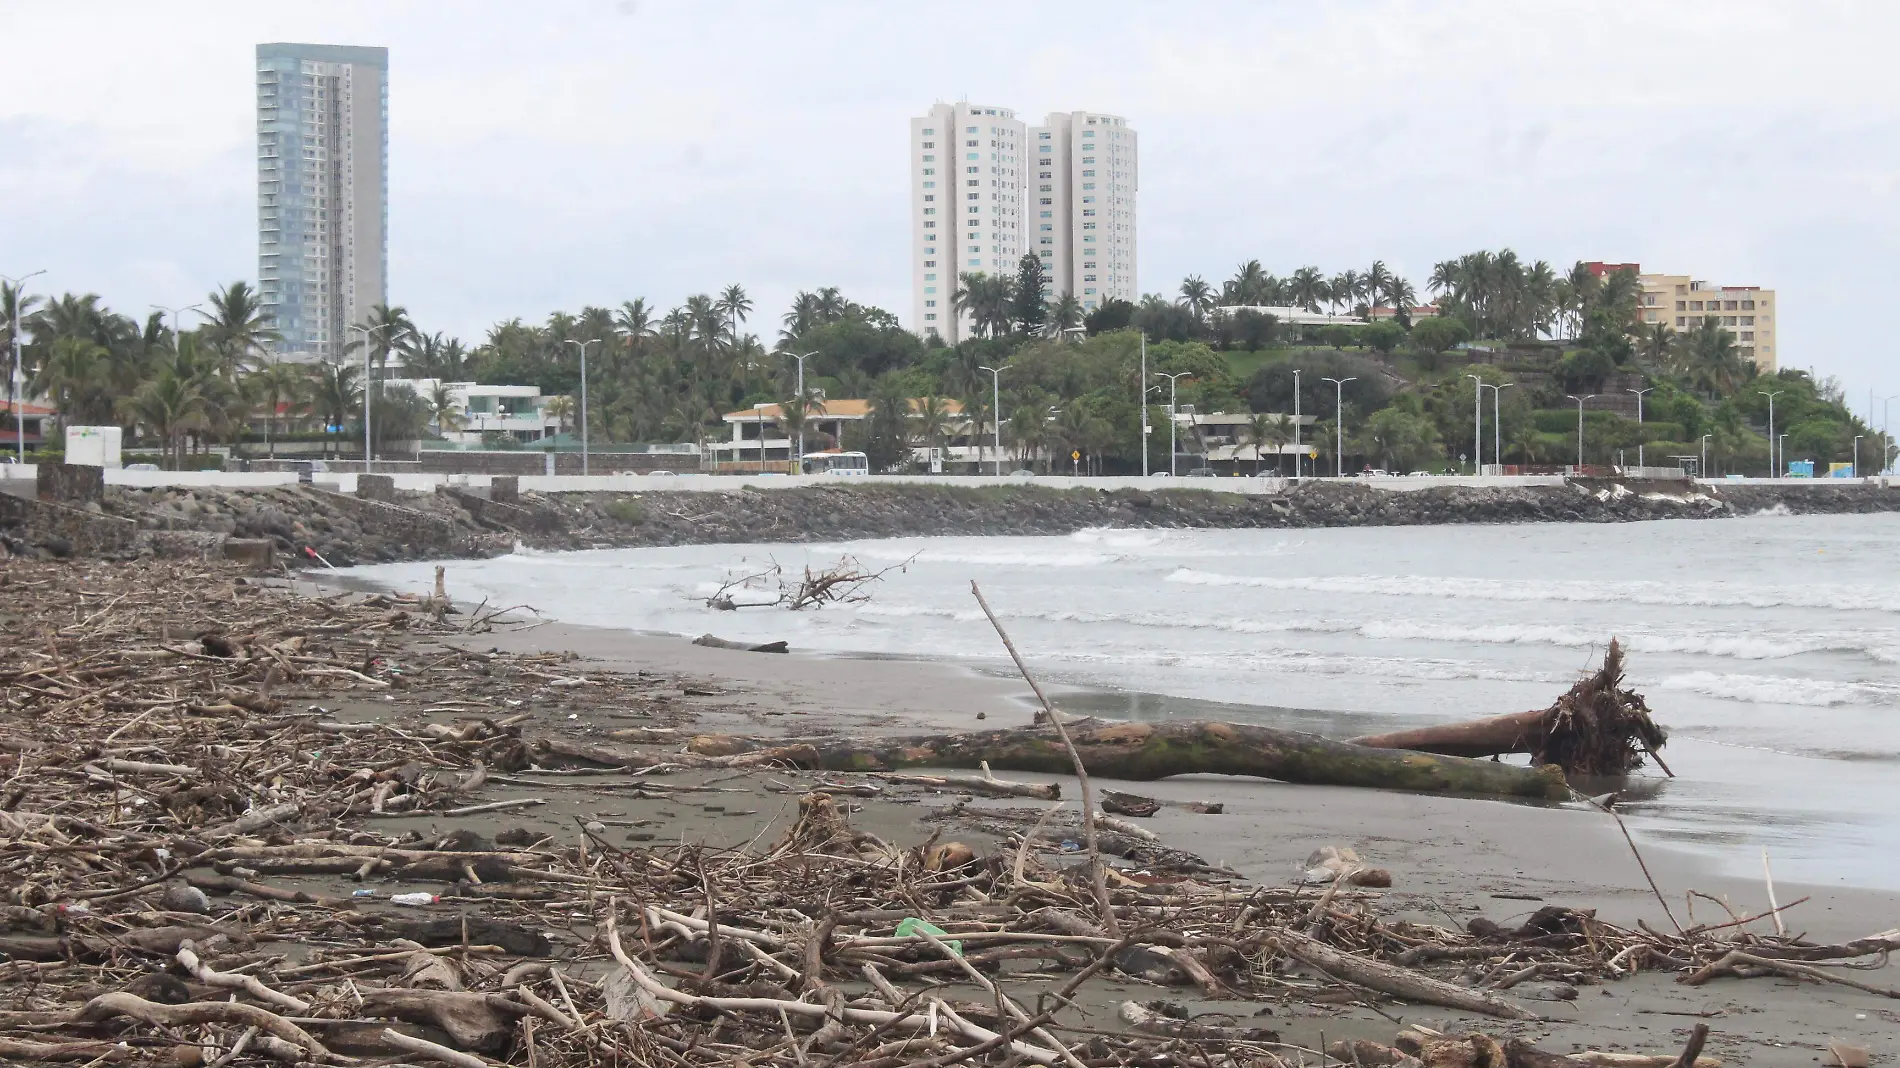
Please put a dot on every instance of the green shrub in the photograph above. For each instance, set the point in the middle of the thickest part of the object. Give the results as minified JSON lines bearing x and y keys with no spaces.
{"x":628,"y":511}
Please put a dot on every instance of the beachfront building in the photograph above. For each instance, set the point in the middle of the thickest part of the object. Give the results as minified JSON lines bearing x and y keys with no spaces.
{"x":1084,"y":174}
{"x":1681,"y":302}
{"x":762,"y":442}
{"x":1226,"y":442}
{"x":23,"y":420}
{"x":474,"y":413}
{"x":966,"y":167}
{"x":322,"y":192}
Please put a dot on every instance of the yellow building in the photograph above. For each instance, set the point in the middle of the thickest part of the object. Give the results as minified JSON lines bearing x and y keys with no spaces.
{"x":1748,"y":312}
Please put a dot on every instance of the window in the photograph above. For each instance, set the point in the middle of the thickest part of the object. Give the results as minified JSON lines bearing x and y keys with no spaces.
{"x":1748,"y":335}
{"x":1045,"y":148}
{"x":1681,"y":320}
{"x":1085,"y":211}
{"x":929,"y":170}
{"x":929,"y":159}
{"x":970,"y":182}
{"x":928,"y":131}
{"x":930,"y":211}
{"x":1088,"y":200}
{"x":1088,"y":174}
{"x":930,"y":289}
{"x":928,"y":197}
{"x":1748,"y":320}
{"x":975,"y":248}
{"x":1649,"y":300}
{"x":1088,"y":185}
{"x":1088,"y":266}
{"x":1047,"y":252}
{"x":971,"y":129}
{"x":1088,"y":159}
{"x":972,"y":155}
{"x":1048,"y":226}
{"x":930,"y":144}
{"x":969,"y":144}
{"x":1695,"y":305}
{"x":1748,"y":305}
{"x":1089,"y":292}
{"x":1045,"y":189}
{"x":974,"y":209}
{"x":1047,"y":241}
{"x":1682,"y":305}
{"x":1088,"y":226}
{"x":976,"y":263}
{"x":972,"y":170}
{"x":930,"y":278}
{"x":974,"y":196}
{"x":1729,"y":306}
{"x":929,"y":224}
{"x":930,"y":315}
{"x":1043,"y":136}
{"x":1088,"y":278}
{"x":1046,"y":200}
{"x":930,"y":263}
{"x":1682,"y":289}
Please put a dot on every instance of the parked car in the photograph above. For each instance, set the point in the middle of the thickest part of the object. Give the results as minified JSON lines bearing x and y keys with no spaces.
{"x":141,"y":467}
{"x":1201,"y":472}
{"x":662,"y":474}
{"x":1022,"y":473}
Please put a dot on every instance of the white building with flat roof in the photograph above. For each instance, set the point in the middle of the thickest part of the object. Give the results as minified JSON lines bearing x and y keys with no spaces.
{"x":1081,"y":213}
{"x":966,"y":164}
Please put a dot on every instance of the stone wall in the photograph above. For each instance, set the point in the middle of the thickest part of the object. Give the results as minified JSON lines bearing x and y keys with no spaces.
{"x":62,"y":530}
{"x":74,"y":483}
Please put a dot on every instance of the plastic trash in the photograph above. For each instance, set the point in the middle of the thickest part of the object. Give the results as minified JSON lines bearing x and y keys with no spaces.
{"x":365,"y":892}
{"x":913,"y":926}
{"x":413,"y":899}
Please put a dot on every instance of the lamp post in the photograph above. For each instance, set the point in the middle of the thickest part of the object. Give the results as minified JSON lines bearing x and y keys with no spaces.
{"x":1781,"y":450}
{"x":996,"y":417}
{"x":582,"y":345}
{"x":1580,"y":400}
{"x":1639,"y":419}
{"x":1703,"y":468}
{"x":1173,"y":380}
{"x":1339,"y":424}
{"x":366,"y":331}
{"x":1857,"y":438}
{"x":1773,"y":470}
{"x":1497,"y":421}
{"x":1477,"y":429}
{"x":16,"y":385}
{"x":799,"y":399}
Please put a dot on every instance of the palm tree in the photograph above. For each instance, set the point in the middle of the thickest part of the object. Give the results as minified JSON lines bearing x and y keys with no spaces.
{"x":1197,"y":296}
{"x":1065,"y":315}
{"x":390,"y":330}
{"x":803,"y":317}
{"x":829,"y":305}
{"x":633,"y":324}
{"x":442,"y":409}
{"x":1277,"y":434}
{"x":1248,"y":286}
{"x":1658,"y":343}
{"x":1307,"y":288}
{"x":933,"y":418}
{"x":736,"y":306}
{"x":562,"y":409}
{"x":237,"y":327}
{"x":1377,"y":279}
{"x":73,"y":376}
{"x":338,"y":394}
{"x":172,"y":405}
{"x":278,"y":385}
{"x":1400,"y":297}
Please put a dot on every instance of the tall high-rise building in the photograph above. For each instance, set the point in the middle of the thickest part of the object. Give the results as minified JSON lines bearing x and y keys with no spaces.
{"x":966,"y":198}
{"x":322,"y":192}
{"x":1082,"y":185}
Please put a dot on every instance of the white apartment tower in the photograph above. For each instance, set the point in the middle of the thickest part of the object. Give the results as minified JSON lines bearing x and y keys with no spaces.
{"x":967,"y":177}
{"x":1081,"y":190}
{"x":322,"y":192}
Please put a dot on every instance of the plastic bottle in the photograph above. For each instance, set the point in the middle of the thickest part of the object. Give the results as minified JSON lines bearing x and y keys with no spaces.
{"x":365,"y":892}
{"x":413,"y":899}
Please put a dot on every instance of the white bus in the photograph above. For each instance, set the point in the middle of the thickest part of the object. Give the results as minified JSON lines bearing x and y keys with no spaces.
{"x":836,"y":463}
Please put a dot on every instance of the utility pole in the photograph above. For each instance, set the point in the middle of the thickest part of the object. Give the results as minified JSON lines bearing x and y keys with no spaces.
{"x":582,"y":345}
{"x":1339,"y":424}
{"x":1144,"y":403}
{"x":366,"y":331}
{"x":16,"y":386}
{"x":1703,"y":468}
{"x":1477,"y":420}
{"x":1857,"y":437}
{"x":1172,"y":380}
{"x":1774,"y":471}
{"x":1497,"y":422}
{"x":996,"y":417}
{"x":1639,"y":419}
{"x":1580,"y":400}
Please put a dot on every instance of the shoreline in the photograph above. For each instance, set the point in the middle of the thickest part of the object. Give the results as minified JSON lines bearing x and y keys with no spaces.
{"x":1565,"y":851}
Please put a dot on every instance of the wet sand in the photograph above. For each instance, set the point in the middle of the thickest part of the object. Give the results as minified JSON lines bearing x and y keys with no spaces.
{"x":1450,"y":857}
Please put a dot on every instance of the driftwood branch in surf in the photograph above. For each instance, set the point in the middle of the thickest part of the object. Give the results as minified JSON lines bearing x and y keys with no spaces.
{"x":1598,"y":727}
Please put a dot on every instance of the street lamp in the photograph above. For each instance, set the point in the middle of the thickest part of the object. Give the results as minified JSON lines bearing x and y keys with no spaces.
{"x":1857,"y":438}
{"x":1781,"y":450}
{"x":1477,"y":420}
{"x":1173,"y":381}
{"x":1703,"y":470}
{"x":366,"y":331}
{"x":799,"y":399}
{"x":1639,"y":419}
{"x":582,"y":345}
{"x":16,"y":386}
{"x":996,"y":416}
{"x":1497,"y":422}
{"x":1773,"y":470}
{"x":1580,"y":400}
{"x":1339,"y":424}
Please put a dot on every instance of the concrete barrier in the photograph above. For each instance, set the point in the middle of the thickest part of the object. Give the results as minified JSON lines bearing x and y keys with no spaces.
{"x":70,"y":483}
{"x":376,"y":488}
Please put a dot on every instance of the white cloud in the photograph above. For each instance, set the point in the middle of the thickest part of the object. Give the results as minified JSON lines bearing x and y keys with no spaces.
{"x":593,"y":151}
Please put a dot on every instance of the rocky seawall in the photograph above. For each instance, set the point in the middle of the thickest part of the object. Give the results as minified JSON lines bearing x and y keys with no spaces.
{"x":345,"y":530}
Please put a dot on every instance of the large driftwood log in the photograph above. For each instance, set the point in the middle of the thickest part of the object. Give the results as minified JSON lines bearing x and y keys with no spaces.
{"x":1147,"y":751}
{"x":1598,"y":727}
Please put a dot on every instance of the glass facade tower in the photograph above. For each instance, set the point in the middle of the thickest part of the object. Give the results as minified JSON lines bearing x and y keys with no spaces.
{"x":322,"y":192}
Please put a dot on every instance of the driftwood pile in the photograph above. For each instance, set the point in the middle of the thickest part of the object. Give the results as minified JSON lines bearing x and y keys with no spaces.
{"x":190,"y":808}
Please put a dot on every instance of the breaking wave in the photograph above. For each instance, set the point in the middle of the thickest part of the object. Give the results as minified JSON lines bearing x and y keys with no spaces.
{"x":1772,"y":689}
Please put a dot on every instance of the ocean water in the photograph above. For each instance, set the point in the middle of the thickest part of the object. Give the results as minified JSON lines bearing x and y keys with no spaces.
{"x":1770,"y":646}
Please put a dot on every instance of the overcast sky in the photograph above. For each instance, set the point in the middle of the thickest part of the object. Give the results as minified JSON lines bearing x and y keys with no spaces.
{"x":588,"y":151}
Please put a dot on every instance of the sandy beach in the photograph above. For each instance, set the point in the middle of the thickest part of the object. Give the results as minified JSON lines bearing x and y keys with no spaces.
{"x":1451,"y":858}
